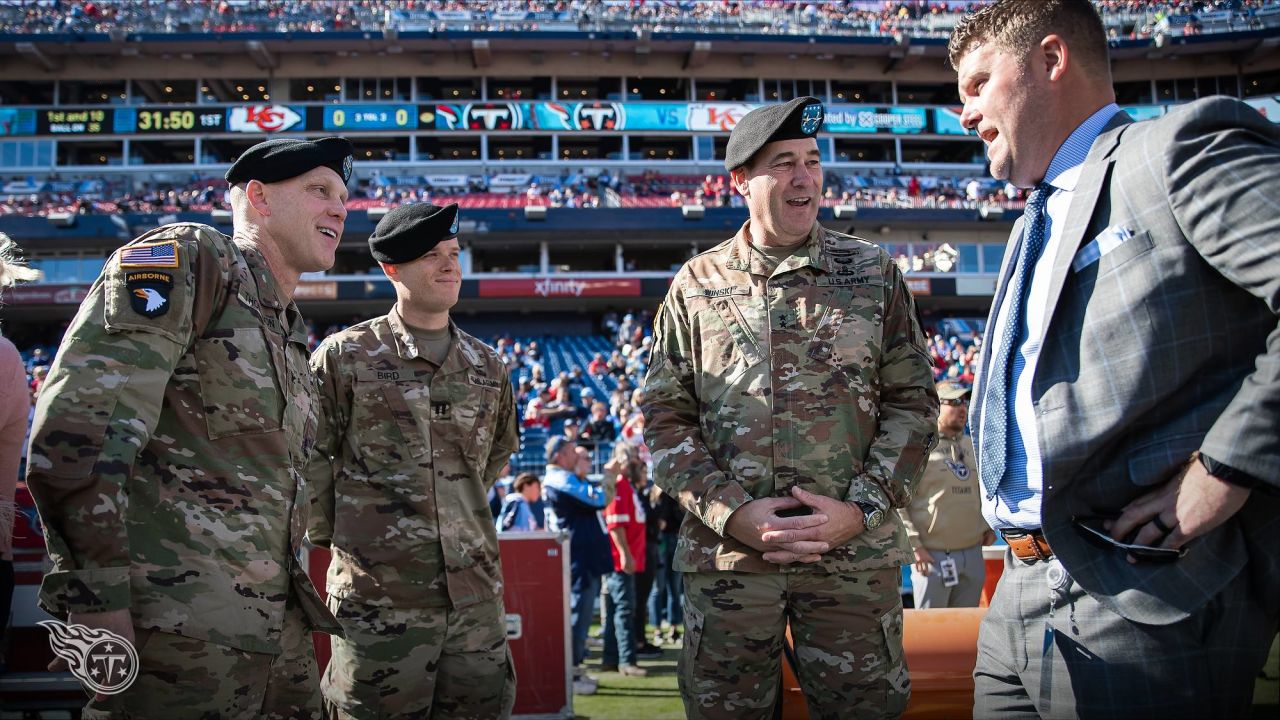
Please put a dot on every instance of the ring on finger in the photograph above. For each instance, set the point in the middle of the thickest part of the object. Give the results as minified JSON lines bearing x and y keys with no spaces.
{"x":1164,"y":529}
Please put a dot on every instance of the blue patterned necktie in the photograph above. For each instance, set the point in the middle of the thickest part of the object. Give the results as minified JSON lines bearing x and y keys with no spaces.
{"x":997,"y":404}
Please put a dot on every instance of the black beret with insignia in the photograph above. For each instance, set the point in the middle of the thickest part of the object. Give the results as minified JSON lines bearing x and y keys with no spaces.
{"x":799,"y":118}
{"x":411,"y":231}
{"x":283,"y":158}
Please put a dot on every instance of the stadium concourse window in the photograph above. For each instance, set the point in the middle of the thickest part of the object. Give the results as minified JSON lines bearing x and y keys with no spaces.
{"x":92,"y":92}
{"x":932,"y":94}
{"x":315,"y":89}
{"x":992,"y":256}
{"x":661,"y":148}
{"x":943,"y":151}
{"x":587,"y":148}
{"x":448,"y":89}
{"x":1260,"y":84}
{"x":855,"y":151}
{"x":502,"y":257}
{"x":26,"y":154}
{"x":536,"y":88}
{"x":223,"y":152}
{"x":745,"y":90}
{"x":20,"y":92}
{"x":381,"y":149}
{"x":68,"y":268}
{"x":1187,"y":89}
{"x":162,"y":152}
{"x":605,"y":88}
{"x":220,"y":90}
{"x":873,"y":93}
{"x":573,"y":257}
{"x":504,"y":147}
{"x":654,"y":258}
{"x":639,"y":88}
{"x":386,"y":89}
{"x":1137,"y":92}
{"x":784,"y":90}
{"x":164,"y":92}
{"x":97,"y":152}
{"x":434,"y":148}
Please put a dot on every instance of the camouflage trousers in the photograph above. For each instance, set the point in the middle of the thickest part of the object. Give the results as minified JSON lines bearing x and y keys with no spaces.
{"x":424,"y":663}
{"x":847,"y":631}
{"x":181,"y":677}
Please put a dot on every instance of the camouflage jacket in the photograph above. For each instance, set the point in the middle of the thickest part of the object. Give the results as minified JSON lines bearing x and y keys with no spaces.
{"x":405,"y":460}
{"x":169,"y":443}
{"x":815,"y":375}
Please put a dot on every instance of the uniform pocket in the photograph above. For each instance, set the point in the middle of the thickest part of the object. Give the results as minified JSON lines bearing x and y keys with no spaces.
{"x":383,"y":424}
{"x":891,"y":625}
{"x":238,"y":382}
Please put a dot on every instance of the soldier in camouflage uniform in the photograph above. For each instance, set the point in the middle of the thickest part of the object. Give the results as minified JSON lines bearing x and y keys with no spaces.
{"x":789,"y":406}
{"x":170,"y":441}
{"x":420,"y":419}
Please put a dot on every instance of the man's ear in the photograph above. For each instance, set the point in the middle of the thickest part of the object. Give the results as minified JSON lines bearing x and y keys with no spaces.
{"x":738,"y":176}
{"x":390,"y":270}
{"x":256,"y":193}
{"x":1054,"y":56}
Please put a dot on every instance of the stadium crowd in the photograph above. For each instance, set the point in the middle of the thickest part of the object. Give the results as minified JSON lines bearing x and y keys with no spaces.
{"x":920,"y":18}
{"x":651,"y":188}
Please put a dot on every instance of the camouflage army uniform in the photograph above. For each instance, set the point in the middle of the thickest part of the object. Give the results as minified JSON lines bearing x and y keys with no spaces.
{"x":415,"y":578}
{"x":815,"y":375}
{"x":166,"y":461}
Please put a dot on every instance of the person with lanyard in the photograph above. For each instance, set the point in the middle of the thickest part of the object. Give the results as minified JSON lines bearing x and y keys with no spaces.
{"x":1125,"y":410}
{"x":419,"y":421}
{"x":944,"y":520}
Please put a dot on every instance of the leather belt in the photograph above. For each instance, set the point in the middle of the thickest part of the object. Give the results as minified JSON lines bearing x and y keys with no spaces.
{"x":1029,"y":546}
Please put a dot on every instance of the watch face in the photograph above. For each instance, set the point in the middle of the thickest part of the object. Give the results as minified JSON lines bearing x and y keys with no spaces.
{"x":873,"y":519}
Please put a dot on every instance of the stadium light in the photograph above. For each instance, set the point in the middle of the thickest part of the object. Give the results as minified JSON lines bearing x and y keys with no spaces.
{"x":692,"y":212}
{"x":62,"y":219}
{"x":991,"y":213}
{"x":846,"y":212}
{"x":535,"y":213}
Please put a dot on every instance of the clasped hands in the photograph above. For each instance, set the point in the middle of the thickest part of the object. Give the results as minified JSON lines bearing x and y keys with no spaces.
{"x":795,"y":539}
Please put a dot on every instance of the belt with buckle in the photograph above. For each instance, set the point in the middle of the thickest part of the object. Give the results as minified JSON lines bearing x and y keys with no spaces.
{"x":1029,"y":546}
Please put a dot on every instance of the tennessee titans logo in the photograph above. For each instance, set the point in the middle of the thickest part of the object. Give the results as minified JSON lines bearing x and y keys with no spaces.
{"x":811,"y":118}
{"x":959,"y":469}
{"x":105,"y":662}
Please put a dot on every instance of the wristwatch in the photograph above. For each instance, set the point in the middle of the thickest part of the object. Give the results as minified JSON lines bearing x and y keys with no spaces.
{"x":872,"y":516}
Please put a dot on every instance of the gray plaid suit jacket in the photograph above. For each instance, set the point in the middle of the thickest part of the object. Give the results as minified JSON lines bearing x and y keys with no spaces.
{"x":1167,"y":344}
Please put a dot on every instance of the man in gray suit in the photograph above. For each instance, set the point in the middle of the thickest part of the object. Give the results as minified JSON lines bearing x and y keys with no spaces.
{"x":1127,"y":410}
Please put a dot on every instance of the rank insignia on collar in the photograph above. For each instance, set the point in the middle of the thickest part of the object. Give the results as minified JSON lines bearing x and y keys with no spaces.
{"x":149,"y":292}
{"x":441,"y":410}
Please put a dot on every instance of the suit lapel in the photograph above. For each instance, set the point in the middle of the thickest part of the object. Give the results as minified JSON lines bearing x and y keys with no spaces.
{"x":1093,"y":179}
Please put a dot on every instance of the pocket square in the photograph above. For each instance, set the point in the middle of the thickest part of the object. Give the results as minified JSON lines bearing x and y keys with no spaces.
{"x":1105,"y":241}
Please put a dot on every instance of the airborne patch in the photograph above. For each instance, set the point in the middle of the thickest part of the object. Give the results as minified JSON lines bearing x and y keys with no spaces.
{"x":149,"y":292}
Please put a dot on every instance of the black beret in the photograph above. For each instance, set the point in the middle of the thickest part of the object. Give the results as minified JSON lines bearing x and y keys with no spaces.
{"x":410,"y":231}
{"x":799,"y":118}
{"x":283,"y":158}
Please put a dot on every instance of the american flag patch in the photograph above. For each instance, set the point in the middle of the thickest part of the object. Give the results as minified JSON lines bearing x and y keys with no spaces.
{"x":158,"y":255}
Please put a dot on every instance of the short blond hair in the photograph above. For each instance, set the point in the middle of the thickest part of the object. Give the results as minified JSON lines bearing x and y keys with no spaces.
{"x":12,"y":269}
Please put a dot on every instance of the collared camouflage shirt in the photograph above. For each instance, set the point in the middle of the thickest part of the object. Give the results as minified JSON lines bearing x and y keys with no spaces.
{"x":169,"y":445}
{"x":404,"y":464}
{"x":813,"y":373}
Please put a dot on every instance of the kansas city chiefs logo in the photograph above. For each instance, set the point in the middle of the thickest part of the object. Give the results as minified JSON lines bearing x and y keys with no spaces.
{"x":105,"y":662}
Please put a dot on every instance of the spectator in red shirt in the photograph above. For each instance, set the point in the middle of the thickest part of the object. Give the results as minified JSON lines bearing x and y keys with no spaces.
{"x":597,"y":366}
{"x":625,"y":518}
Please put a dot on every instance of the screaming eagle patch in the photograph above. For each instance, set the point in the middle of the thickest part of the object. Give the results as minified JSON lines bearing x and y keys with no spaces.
{"x":149,"y":292}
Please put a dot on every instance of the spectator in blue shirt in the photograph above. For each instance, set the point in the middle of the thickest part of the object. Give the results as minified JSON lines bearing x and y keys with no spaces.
{"x":523,"y":509}
{"x":576,"y":504}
